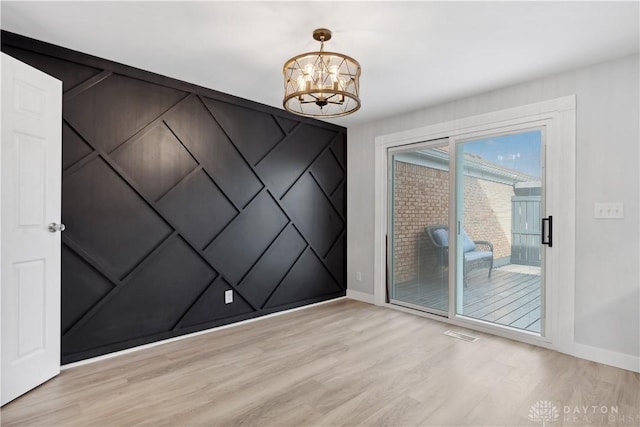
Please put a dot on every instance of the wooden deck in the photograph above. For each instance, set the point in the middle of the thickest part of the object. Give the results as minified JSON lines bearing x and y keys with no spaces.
{"x":508,"y":298}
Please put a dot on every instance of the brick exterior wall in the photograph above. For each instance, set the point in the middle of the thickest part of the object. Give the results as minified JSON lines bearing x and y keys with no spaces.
{"x":421,"y":198}
{"x":487,"y":213}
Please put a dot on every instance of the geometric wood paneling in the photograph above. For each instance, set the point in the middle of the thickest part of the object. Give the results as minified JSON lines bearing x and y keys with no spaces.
{"x":240,"y":245}
{"x":255,"y":140}
{"x":307,"y":277}
{"x":327,"y":171}
{"x":198,"y":208}
{"x":287,"y":124}
{"x":205,"y":139}
{"x":313,"y":213}
{"x":173,"y":194}
{"x":107,"y":219}
{"x":114,"y":109}
{"x":82,"y":287}
{"x":151,"y":301}
{"x":210,"y":306}
{"x":273,"y":266}
{"x":339,"y":148}
{"x":157,"y":161}
{"x":74,"y":148}
{"x":339,"y":199}
{"x":287,"y":161}
{"x":335,"y":260}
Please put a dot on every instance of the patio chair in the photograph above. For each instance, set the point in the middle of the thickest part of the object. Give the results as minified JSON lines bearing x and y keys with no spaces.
{"x":474,"y":255}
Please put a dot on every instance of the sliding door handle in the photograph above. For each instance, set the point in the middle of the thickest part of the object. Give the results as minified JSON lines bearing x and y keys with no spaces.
{"x":548,"y":231}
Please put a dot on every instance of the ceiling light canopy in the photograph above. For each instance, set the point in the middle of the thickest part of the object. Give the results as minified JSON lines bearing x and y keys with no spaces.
{"x":321,"y":84}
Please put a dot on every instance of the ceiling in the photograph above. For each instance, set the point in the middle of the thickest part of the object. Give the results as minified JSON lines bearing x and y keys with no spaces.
{"x":413,"y":54}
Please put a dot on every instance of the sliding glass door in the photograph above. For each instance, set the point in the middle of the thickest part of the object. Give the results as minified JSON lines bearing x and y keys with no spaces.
{"x":418,"y":187}
{"x":499,"y":211}
{"x":490,"y":216}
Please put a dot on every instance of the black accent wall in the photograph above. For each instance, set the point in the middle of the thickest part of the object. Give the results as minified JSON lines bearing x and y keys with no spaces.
{"x":173,"y":194}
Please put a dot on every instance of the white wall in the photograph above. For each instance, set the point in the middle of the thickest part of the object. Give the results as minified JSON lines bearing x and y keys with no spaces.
{"x":607,"y":288}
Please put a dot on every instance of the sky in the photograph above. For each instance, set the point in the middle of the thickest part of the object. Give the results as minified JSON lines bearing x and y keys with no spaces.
{"x":519,"y":151}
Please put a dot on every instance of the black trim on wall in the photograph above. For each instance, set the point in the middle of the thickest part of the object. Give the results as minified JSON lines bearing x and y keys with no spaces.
{"x":173,"y":194}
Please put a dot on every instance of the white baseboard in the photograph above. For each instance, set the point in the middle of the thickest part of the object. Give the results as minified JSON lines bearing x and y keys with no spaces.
{"x":606,"y":357}
{"x":184,"y":337}
{"x":360,"y":296}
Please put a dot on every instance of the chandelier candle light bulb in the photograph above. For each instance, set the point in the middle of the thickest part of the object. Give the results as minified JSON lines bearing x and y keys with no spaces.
{"x":321,"y":84}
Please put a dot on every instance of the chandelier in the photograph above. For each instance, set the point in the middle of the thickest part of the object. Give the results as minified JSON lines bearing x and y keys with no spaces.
{"x":321,"y":84}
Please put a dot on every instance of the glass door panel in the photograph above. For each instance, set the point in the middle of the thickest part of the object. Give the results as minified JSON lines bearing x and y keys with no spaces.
{"x":499,"y":207}
{"x":418,"y":205}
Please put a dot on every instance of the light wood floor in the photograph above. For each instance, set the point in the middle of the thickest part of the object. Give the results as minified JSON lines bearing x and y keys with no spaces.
{"x":341,"y":363}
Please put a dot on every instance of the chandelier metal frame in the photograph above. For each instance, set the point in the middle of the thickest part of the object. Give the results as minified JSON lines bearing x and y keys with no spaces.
{"x":321,"y":84}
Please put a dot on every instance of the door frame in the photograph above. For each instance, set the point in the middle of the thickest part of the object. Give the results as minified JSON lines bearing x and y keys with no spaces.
{"x":558,"y":117}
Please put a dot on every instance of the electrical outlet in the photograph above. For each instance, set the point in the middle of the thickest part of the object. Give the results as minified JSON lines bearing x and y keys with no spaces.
{"x":228,"y":296}
{"x":609,"y":210}
{"x":359,"y":276}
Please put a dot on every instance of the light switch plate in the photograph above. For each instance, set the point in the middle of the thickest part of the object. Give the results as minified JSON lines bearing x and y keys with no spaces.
{"x":228,"y":296}
{"x":609,"y":211}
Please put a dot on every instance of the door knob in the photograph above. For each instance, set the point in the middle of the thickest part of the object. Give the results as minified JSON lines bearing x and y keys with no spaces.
{"x":53,"y":227}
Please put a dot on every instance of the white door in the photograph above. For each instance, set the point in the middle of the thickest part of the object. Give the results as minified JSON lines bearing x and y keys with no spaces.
{"x":30,"y":179}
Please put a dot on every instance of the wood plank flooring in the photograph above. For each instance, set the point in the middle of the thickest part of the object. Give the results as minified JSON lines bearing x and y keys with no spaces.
{"x":336,"y":364}
{"x":507,"y":298}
